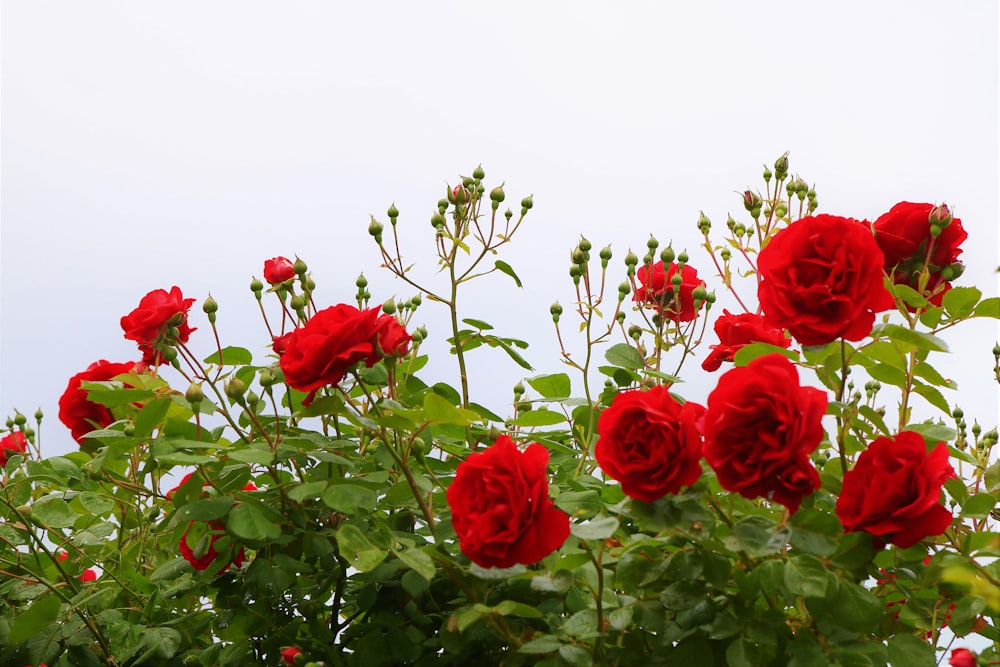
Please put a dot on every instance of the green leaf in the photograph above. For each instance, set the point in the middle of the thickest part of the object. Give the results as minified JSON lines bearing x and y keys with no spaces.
{"x":910,"y":296}
{"x":150,"y":416}
{"x":54,"y":512}
{"x":350,"y":498}
{"x":907,"y":650}
{"x":419,"y":562}
{"x":919,"y":339}
{"x":625,"y":356}
{"x":815,"y":532}
{"x":162,"y":643}
{"x":855,"y":608}
{"x":97,"y":505}
{"x":261,"y":456}
{"x":555,"y":386}
{"x":541,"y":644}
{"x":582,"y":503}
{"x":988,"y":308}
{"x":932,"y":433}
{"x":230,"y":356}
{"x":505,"y":345}
{"x":541,"y":417}
{"x":598,"y":528}
{"x":170,"y":570}
{"x":748,"y":353}
{"x":505,"y":268}
{"x":929,"y":373}
{"x":308,"y":490}
{"x":888,"y":374}
{"x":438,"y":409}
{"x":514,"y":608}
{"x":479,"y":324}
{"x":758,"y":536}
{"x":978,"y":506}
{"x":248,"y":521}
{"x":42,"y":613}
{"x":113,"y":398}
{"x":806,"y":576}
{"x":932,"y":395}
{"x":358,"y":549}
{"x":574,"y":655}
{"x":960,"y":302}
{"x":206,"y":509}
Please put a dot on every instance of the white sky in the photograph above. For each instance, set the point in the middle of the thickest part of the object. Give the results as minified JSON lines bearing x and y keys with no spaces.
{"x":146,"y":145}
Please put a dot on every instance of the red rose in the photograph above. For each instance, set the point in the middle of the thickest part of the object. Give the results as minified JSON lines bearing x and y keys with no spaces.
{"x":735,"y":331}
{"x":904,"y":235}
{"x":760,"y":427}
{"x":500,"y":506}
{"x":76,"y":411}
{"x":216,"y":529}
{"x":333,"y":341}
{"x":650,"y":443}
{"x":894,"y":490}
{"x":391,"y":339}
{"x":280,"y":343}
{"x":288,"y":655}
{"x":657,"y":289}
{"x":278,"y":270}
{"x":821,"y":278}
{"x":12,"y":443}
{"x":148,"y":325}
{"x":962,"y":657}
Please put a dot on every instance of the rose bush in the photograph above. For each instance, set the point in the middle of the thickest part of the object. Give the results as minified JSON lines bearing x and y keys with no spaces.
{"x":324,"y":497}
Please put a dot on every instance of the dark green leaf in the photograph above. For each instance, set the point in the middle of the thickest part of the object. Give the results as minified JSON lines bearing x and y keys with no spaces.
{"x":758,"y":536}
{"x":150,"y":416}
{"x":230,"y":356}
{"x":419,"y":561}
{"x":350,"y":498}
{"x":815,"y":532}
{"x":40,"y":615}
{"x":170,"y":570}
{"x":540,"y":644}
{"x":248,"y":521}
{"x":308,"y":490}
{"x":932,"y":395}
{"x":113,"y":398}
{"x":598,"y":528}
{"x":929,"y":373}
{"x":806,"y":576}
{"x":505,"y":267}
{"x":906,"y":651}
{"x":978,"y":506}
{"x":358,"y":549}
{"x":888,"y":374}
{"x":54,"y":512}
{"x":206,"y":509}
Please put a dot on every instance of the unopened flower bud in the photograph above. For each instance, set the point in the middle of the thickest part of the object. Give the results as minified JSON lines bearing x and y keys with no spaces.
{"x":235,"y":388}
{"x":38,"y":415}
{"x":623,"y":290}
{"x":169,"y":354}
{"x":519,"y":390}
{"x":10,"y":423}
{"x":767,"y":174}
{"x":634,"y":332}
{"x":682,"y":258}
{"x":710,"y":298}
{"x":210,"y":305}
{"x":578,"y":256}
{"x":300,"y":267}
{"x":940,"y":216}
{"x":996,"y":350}
{"x":420,"y":331}
{"x":415,"y":301}
{"x":620,"y":317}
{"x":976,"y":429}
{"x":20,"y":420}
{"x":375,"y":229}
{"x":393,"y":213}
{"x":781,"y":166}
{"x":478,"y":173}
{"x":252,"y":399}
{"x":575,"y":273}
{"x":437,"y":220}
{"x":667,"y":255}
{"x":128,"y":430}
{"x":266,"y":378}
{"x":297,"y":302}
{"x":555,"y":310}
{"x":801,"y":188}
{"x":442,"y":206}
{"x":631,"y":259}
{"x":389,"y":307}
{"x":781,"y":210}
{"x":194,"y":394}
{"x":704,"y":224}
{"x":725,"y":254}
{"x":952,"y":271}
{"x":957,"y":413}
{"x":700,"y":293}
{"x":459,"y":194}
{"x":526,"y":204}
{"x":605,"y":254}
{"x":508,"y":214}
{"x":676,"y":280}
{"x":497,"y":195}
{"x":256,"y":286}
{"x":652,"y":243}
{"x":751,"y":201}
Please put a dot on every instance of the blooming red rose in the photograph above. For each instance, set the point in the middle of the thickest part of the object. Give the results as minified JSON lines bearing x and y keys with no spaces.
{"x":500,"y":506}
{"x":962,"y":657}
{"x":201,"y":555}
{"x":12,"y":443}
{"x":650,"y":443}
{"x":333,"y":341}
{"x":391,"y":339}
{"x":288,"y":655}
{"x":821,"y":278}
{"x":893,"y":491}
{"x":656,"y":289}
{"x":149,"y":324}
{"x":904,"y":235}
{"x":278,"y":270}
{"x":735,"y":331}
{"x":280,"y":343}
{"x":760,"y":427}
{"x":76,"y":411}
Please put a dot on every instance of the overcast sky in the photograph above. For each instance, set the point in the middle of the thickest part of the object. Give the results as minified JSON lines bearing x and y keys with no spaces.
{"x":146,"y":145}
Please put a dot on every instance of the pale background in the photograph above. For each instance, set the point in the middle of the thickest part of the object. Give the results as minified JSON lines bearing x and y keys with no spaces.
{"x":146,"y":145}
